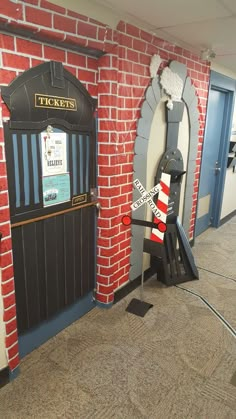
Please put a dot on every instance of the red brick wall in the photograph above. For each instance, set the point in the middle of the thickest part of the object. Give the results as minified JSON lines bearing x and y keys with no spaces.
{"x":118,"y":80}
{"x":43,"y":20}
{"x":117,"y":135}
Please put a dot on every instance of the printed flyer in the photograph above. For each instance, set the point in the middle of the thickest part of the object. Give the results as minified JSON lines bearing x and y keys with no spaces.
{"x":54,"y":153}
{"x":56,"y":179}
{"x":56,"y":189}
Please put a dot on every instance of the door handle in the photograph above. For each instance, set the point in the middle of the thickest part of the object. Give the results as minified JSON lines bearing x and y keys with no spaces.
{"x":217,"y":169}
{"x":98,"y":206}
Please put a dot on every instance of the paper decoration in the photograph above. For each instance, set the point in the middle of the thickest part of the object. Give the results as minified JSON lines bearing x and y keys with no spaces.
{"x":162,"y":206}
{"x":154,"y":65}
{"x":173,"y":86}
{"x":56,"y":189}
{"x":56,"y":180}
{"x":54,"y":153}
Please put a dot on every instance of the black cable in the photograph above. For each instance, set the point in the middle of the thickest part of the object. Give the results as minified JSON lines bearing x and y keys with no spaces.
{"x":233,"y":331}
{"x":216,"y":273}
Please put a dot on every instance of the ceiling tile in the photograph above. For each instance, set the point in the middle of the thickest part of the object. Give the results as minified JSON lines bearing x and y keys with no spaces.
{"x":230,"y":4}
{"x":218,"y":34}
{"x":228,"y":62}
{"x":162,"y":13}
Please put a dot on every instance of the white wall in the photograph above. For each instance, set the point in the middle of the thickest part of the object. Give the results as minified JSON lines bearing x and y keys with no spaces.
{"x":223,"y":70}
{"x":229,"y":194}
{"x":3,"y":358}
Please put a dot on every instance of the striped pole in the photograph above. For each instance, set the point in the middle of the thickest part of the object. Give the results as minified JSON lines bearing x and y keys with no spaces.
{"x":162,"y":205}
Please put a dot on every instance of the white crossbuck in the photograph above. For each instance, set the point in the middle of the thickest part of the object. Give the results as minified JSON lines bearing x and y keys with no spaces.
{"x":146,"y":197}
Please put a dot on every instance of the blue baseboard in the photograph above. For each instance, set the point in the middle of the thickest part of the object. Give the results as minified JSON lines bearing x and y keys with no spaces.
{"x":103,"y":305}
{"x":46,"y":330}
{"x":13,"y":374}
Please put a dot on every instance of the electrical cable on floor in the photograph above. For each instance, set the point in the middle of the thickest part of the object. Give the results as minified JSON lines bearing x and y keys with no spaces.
{"x":217,"y":314}
{"x":216,"y":273}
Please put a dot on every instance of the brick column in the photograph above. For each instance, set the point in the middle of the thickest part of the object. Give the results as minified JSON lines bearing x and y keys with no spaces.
{"x":108,"y":172}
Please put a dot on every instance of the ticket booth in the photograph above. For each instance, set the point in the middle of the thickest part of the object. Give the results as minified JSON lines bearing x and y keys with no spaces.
{"x":51,"y":167}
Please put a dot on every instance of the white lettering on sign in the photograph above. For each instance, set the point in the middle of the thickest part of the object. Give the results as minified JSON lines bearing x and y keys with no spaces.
{"x":146,"y":197}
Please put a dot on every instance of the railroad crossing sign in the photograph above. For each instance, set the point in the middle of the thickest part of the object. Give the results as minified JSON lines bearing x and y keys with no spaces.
{"x":159,"y":210}
{"x":146,"y":197}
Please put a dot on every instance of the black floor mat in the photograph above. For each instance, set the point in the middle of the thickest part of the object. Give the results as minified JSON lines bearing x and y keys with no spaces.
{"x":138,"y":307}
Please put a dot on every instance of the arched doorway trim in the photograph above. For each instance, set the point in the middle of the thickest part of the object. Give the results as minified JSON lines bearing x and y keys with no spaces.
{"x":154,"y":94}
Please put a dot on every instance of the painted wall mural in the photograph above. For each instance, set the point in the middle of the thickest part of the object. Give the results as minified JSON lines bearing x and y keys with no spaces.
{"x":113,"y":66}
{"x":174,"y":84}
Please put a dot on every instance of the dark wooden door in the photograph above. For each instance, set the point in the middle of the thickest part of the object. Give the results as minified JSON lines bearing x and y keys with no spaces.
{"x":54,"y":264}
{"x":53,"y":227}
{"x":53,"y":246}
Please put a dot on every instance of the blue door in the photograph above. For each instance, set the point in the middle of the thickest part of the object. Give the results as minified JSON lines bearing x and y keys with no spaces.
{"x":210,"y":191}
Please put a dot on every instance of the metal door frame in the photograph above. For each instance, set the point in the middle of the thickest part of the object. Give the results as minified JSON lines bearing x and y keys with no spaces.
{"x":226,"y":85}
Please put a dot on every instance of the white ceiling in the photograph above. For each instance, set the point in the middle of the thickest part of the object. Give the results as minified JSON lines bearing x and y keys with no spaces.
{"x":193,"y":24}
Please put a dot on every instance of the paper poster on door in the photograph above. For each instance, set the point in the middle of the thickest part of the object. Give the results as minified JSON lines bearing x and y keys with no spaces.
{"x":56,"y":189}
{"x":54,"y":153}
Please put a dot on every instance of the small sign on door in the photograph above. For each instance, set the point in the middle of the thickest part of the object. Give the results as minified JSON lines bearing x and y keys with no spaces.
{"x":54,"y":153}
{"x":56,"y":179}
{"x":56,"y":189}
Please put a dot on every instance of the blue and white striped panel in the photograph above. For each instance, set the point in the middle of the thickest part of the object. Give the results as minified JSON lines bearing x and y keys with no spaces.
{"x":26,"y":169}
{"x":35,"y":168}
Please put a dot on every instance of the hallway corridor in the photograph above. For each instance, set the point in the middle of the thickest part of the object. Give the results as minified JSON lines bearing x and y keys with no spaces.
{"x":178,"y":362}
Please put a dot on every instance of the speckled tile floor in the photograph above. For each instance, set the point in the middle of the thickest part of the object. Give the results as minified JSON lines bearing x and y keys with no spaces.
{"x":178,"y":362}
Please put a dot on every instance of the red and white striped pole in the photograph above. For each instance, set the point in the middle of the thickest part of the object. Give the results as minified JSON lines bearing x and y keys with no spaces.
{"x":162,"y":205}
